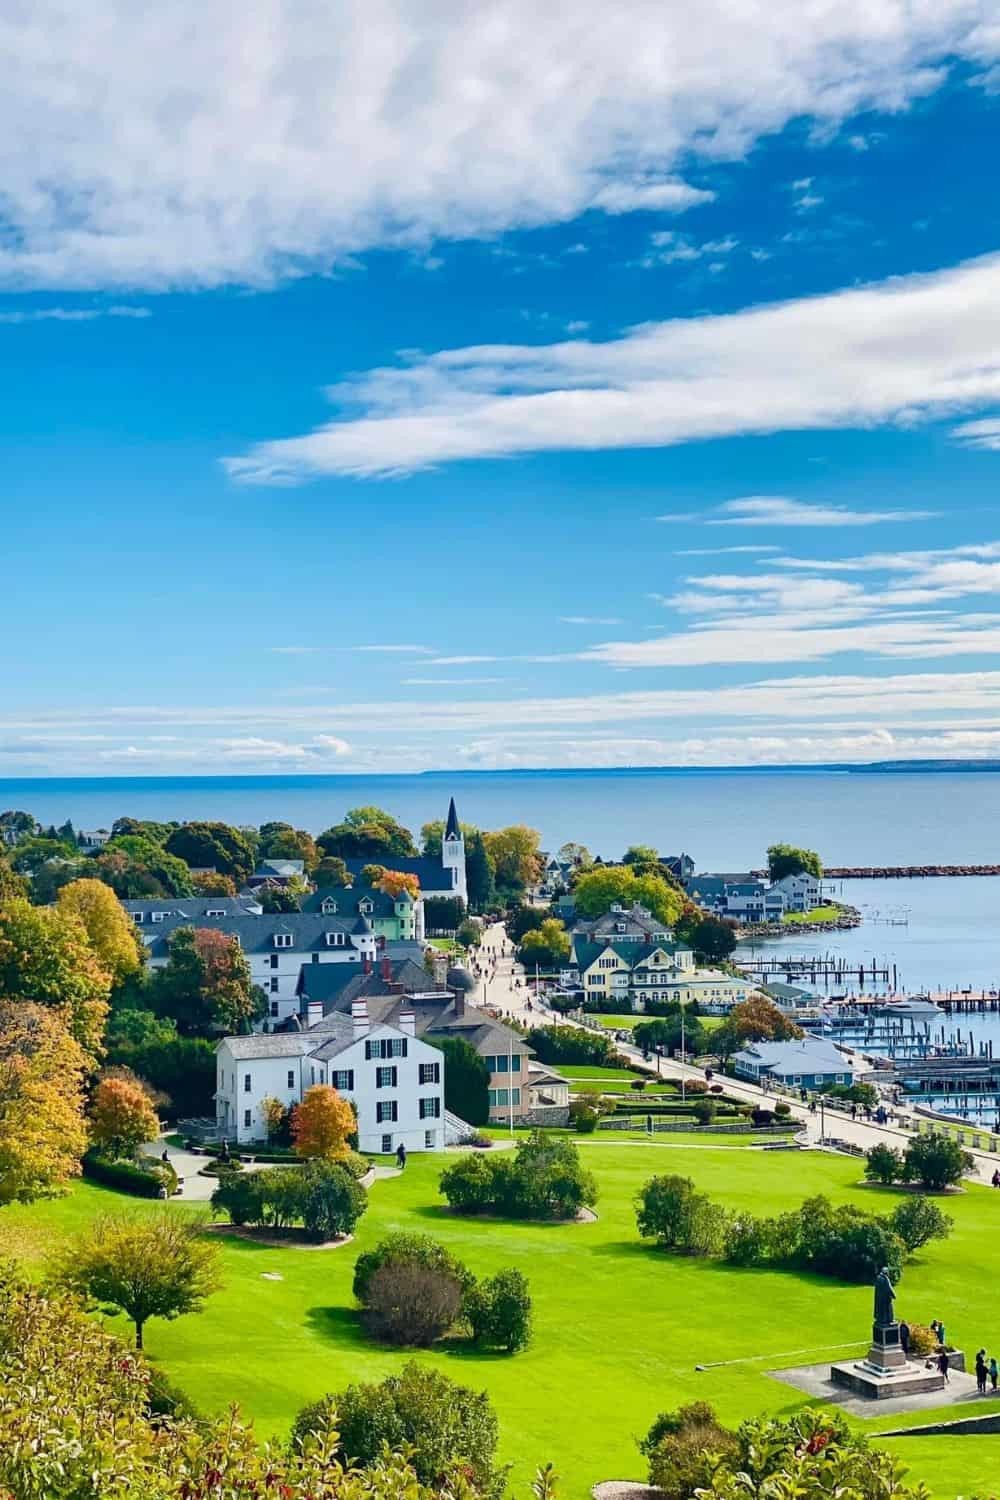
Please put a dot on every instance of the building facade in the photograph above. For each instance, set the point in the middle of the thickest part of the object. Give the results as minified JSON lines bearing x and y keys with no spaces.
{"x":394,"y":1080}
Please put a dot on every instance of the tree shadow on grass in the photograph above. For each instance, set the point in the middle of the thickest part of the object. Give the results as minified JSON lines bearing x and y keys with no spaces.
{"x":340,"y":1325}
{"x":442,"y":1214}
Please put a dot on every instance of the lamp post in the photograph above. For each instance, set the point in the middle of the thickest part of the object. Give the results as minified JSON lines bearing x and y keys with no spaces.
{"x":510,"y":1078}
{"x":683,"y":1059}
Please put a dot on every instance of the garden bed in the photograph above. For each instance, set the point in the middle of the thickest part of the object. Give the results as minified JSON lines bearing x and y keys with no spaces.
{"x":293,"y":1238}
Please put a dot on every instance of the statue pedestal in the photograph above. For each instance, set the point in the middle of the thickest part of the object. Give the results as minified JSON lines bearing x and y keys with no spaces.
{"x":886,"y":1371}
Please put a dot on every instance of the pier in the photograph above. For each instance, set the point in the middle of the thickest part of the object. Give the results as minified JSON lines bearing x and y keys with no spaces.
{"x":817,"y":970}
{"x":905,"y":872}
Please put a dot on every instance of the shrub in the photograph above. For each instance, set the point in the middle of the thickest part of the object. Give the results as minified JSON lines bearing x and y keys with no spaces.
{"x":477,"y":1139}
{"x":923,"y":1340}
{"x":782,"y":1110}
{"x":164,"y":1399}
{"x":129,"y":1177}
{"x":762,"y":1117}
{"x":416,"y":1249}
{"x":936,"y":1162}
{"x":333,"y":1200}
{"x":499,"y":1310}
{"x":583,"y":1116}
{"x":705,"y":1111}
{"x":411,"y":1304}
{"x":638,"y":1084}
{"x":241,"y":1197}
{"x":747,"y":1241}
{"x":571,"y":1044}
{"x":682,"y":1446}
{"x":545,"y":1180}
{"x":883,"y":1164}
{"x":671,"y":1211}
{"x":917,"y":1220}
{"x":358,"y":1166}
{"x":444,"y":1425}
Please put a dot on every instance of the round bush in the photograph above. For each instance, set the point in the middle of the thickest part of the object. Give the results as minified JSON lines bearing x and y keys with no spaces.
{"x":416,"y":1249}
{"x":411,"y":1304}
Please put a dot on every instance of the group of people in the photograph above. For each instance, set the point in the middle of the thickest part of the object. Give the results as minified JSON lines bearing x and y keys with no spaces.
{"x":986,"y":1369}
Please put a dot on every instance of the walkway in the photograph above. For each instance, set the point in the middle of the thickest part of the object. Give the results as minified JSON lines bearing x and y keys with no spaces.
{"x":498,"y":991}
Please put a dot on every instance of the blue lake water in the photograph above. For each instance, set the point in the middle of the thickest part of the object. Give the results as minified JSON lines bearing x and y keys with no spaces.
{"x":724,"y":819}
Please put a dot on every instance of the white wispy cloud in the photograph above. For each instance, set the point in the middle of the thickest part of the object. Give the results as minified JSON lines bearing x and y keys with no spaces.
{"x":982,"y":434}
{"x":781,"y":510}
{"x":431,"y":120}
{"x":588,"y":620}
{"x":70,"y":314}
{"x":723,"y":551}
{"x":903,"y":351}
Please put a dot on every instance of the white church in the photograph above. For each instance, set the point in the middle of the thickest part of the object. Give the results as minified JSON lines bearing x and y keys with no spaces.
{"x":441,"y":875}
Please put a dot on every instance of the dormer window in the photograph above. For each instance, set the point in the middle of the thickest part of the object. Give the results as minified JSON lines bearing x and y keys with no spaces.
{"x":334,"y":939}
{"x":329,"y":906}
{"x":138,"y":917}
{"x":619,"y":926}
{"x":365,"y":908}
{"x":283,"y":940}
{"x":157,"y":916}
{"x":215,"y":911}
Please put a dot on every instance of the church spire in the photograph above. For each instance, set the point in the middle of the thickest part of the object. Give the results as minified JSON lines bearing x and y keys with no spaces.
{"x":452,"y":829}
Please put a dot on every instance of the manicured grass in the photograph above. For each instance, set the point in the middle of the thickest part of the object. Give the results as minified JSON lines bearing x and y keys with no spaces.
{"x":619,"y":1327}
{"x":602,"y":1075}
{"x":818,"y":914}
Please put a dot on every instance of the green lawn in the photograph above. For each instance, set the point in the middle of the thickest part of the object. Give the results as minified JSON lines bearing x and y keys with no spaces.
{"x":818,"y":914}
{"x":619,"y":1327}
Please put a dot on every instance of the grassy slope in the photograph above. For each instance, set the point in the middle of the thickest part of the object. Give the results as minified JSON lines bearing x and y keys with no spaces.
{"x":619,"y":1328}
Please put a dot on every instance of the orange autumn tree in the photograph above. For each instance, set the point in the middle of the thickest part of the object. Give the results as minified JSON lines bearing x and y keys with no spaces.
{"x":122,"y":1116}
{"x":43,"y":1133}
{"x":394,"y":882}
{"x":322,"y":1123}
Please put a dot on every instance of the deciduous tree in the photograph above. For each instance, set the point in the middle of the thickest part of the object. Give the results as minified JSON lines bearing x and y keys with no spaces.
{"x":206,"y":983}
{"x":466,"y":1080}
{"x":151,"y":1267}
{"x":331,"y":871}
{"x":367,"y":831}
{"x":515,"y":854}
{"x":322,"y":1123}
{"x":598,"y":890}
{"x":395,"y":882}
{"x":43,"y":1131}
{"x":110,"y":929}
{"x":548,"y":945}
{"x":786,"y":859}
{"x":46,"y":957}
{"x":213,"y":845}
{"x":122,"y":1116}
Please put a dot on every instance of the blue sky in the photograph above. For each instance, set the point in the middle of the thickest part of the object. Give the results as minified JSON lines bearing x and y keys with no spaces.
{"x":461,"y":387}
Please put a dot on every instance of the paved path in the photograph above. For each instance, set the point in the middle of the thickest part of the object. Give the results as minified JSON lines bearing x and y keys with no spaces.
{"x":500,"y":990}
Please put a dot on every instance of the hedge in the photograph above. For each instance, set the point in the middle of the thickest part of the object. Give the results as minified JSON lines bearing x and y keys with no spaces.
{"x":129,"y":1177}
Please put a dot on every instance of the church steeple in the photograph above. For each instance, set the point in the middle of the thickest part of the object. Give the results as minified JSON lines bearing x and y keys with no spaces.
{"x":452,"y":829}
{"x":453,"y":852}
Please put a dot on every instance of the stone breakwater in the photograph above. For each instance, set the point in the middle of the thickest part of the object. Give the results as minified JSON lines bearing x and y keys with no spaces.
{"x":905,"y":872}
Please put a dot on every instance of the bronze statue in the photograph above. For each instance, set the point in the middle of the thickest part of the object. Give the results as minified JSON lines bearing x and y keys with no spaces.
{"x":884,"y":1297}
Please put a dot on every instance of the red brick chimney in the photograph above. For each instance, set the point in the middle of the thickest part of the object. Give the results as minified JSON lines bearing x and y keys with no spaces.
{"x":366,"y":965}
{"x":387,"y":969}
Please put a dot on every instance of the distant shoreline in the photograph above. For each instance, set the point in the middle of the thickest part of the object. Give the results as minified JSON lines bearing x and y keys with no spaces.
{"x":292,"y":778}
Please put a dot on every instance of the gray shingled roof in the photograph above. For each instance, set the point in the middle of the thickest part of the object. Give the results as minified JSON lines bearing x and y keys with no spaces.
{"x":256,"y":934}
{"x":270,"y":1044}
{"x":431,"y":873}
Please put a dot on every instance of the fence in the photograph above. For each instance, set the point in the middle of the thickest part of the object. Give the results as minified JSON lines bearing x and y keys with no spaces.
{"x":643,"y":1122}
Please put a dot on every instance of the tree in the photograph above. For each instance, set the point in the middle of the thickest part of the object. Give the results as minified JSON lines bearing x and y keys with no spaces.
{"x":570,"y":1044}
{"x":466,"y":1080}
{"x":480,"y":873}
{"x":332,"y":1202}
{"x":548,"y":945}
{"x":665,"y":1032}
{"x":394,"y":882}
{"x":214,"y":846}
{"x":523,"y":917}
{"x":712,"y":938}
{"x":83,"y":1416}
{"x":331,"y":872}
{"x":150,"y":1267}
{"x":278,"y":899}
{"x":111,"y":931}
{"x":786,"y":859}
{"x":936,"y":1162}
{"x":180,"y":1067}
{"x":371,"y":875}
{"x":671,"y":1211}
{"x":205,"y":984}
{"x":13,"y":887}
{"x":598,"y":890}
{"x":917,"y":1221}
{"x":432,"y":836}
{"x":367,"y":831}
{"x":417,"y":1249}
{"x":122,"y":1116}
{"x":758,"y":1019}
{"x":515,"y":855}
{"x":20,"y":824}
{"x":443,"y":913}
{"x":683,"y":1448}
{"x":43,"y":1132}
{"x":420,"y":1410}
{"x":32,"y":853}
{"x":883,"y":1164}
{"x":135,"y":867}
{"x":322,"y":1123}
{"x":211,"y":883}
{"x":282,"y":841}
{"x":641,"y":854}
{"x":498,"y":1310}
{"x":46,"y":957}
{"x":277,"y":1119}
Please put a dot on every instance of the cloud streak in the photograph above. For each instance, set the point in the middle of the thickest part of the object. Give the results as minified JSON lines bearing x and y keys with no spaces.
{"x":431,"y":120}
{"x":903,"y":351}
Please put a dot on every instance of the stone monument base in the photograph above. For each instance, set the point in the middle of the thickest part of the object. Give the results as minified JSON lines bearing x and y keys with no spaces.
{"x":886,"y":1371}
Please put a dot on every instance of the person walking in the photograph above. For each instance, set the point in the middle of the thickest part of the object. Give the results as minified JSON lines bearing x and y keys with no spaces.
{"x":994,"y":1372}
{"x":981,"y":1371}
{"x":904,"y":1337}
{"x":944,"y":1368}
{"x":401,"y":1156}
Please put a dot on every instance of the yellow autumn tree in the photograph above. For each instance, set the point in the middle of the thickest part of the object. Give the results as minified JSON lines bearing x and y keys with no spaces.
{"x":395,"y":882}
{"x":46,"y":957}
{"x":43,"y":1132}
{"x":322,"y":1123}
{"x":122,"y":1116}
{"x":109,"y":927}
